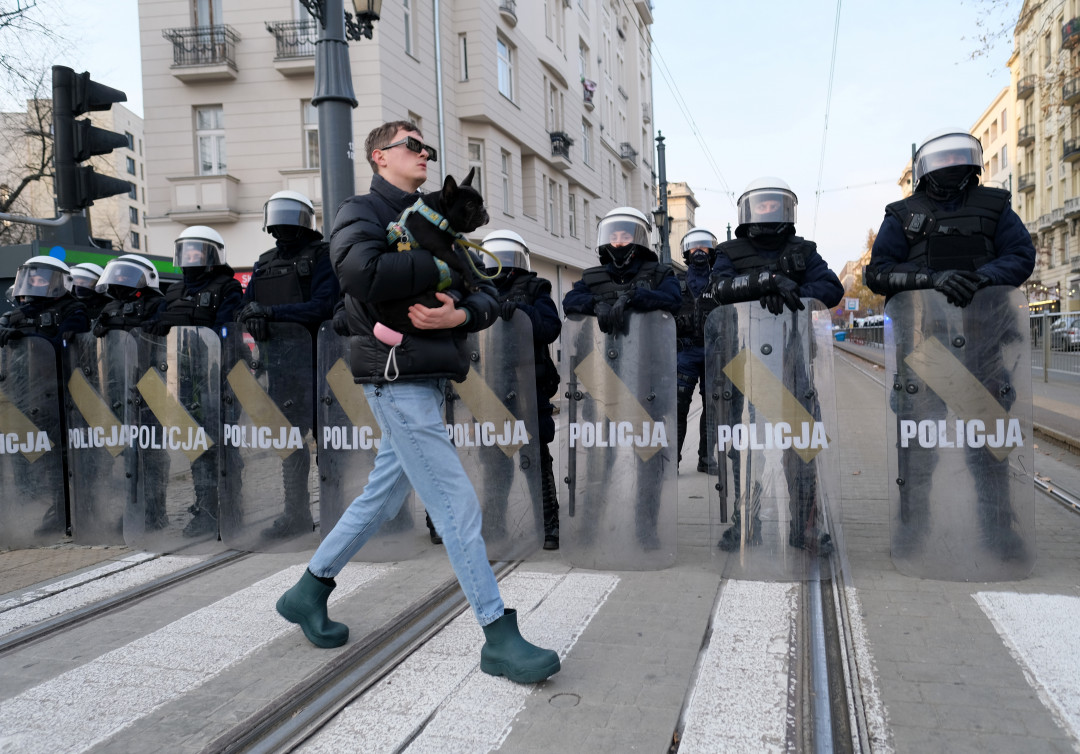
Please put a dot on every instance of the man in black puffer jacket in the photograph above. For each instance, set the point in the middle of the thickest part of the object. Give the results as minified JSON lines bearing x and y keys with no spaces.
{"x":404,"y":380}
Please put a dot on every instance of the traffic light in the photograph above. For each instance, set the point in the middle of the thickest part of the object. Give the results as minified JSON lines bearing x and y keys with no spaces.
{"x":75,"y":141}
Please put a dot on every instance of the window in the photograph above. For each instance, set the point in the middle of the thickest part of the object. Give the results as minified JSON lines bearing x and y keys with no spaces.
{"x":133,"y":215}
{"x":583,"y":59}
{"x":133,"y":192}
{"x":310,"y":135}
{"x":207,"y":13}
{"x":131,"y":141}
{"x":586,"y":142}
{"x":134,"y":240}
{"x":1005,"y":157}
{"x":210,"y":138}
{"x":1004,"y":121}
{"x":554,"y":108}
{"x":407,"y":11}
{"x":611,"y":179}
{"x":585,"y":215}
{"x":571,"y":215}
{"x":552,"y":219}
{"x":463,"y":55}
{"x":130,"y":165}
{"x":476,"y":162}
{"x":506,"y":68}
{"x":507,"y":185}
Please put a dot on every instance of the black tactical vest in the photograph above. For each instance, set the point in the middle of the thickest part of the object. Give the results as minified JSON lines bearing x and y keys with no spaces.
{"x":195,"y":309}
{"x":525,"y":289}
{"x":605,"y":288}
{"x":690,"y":321}
{"x":46,"y":322}
{"x":960,"y":239}
{"x":791,"y":261}
{"x":280,"y":280}
{"x":127,"y":315}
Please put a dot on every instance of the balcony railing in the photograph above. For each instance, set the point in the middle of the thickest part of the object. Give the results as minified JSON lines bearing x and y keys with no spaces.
{"x":1070,"y":33}
{"x":1070,"y":150}
{"x":1026,"y":182}
{"x":508,"y":11}
{"x":295,"y":39}
{"x":1070,"y":91}
{"x":627,"y":153}
{"x":1025,"y":136}
{"x":1025,"y":87}
{"x":560,"y":144}
{"x":203,"y":46}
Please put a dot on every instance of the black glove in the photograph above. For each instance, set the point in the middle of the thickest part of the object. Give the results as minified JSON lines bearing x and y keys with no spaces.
{"x":788,"y":290}
{"x":774,"y":302}
{"x":256,"y":318}
{"x":602,"y":310}
{"x":620,"y":320}
{"x":157,"y":327}
{"x":100,"y":330}
{"x":8,"y":334}
{"x":507,"y":309}
{"x":959,"y":286}
{"x":340,"y":323}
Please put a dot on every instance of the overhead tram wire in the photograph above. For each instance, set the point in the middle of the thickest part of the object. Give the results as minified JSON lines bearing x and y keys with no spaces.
{"x":665,"y":73}
{"x":828,"y":105}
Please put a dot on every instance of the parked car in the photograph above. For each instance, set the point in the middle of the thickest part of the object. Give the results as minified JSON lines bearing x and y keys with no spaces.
{"x":1065,"y":334}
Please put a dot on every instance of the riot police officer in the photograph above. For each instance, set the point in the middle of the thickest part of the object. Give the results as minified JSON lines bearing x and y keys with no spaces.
{"x":45,"y":308}
{"x":208,"y":296}
{"x":521,"y":289}
{"x":766,"y":262}
{"x":292,"y":282}
{"x":954,"y":236}
{"x":84,"y":280}
{"x":130,"y":285}
{"x":699,"y":253}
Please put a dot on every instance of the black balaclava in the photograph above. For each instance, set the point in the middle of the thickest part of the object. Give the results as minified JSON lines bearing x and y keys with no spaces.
{"x":945,"y":184}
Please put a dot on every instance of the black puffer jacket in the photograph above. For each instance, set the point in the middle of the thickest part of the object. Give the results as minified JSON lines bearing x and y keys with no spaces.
{"x":370,"y":271}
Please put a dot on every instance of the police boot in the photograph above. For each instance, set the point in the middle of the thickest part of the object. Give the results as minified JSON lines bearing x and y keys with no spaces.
{"x":683,"y":397}
{"x":996,"y":520}
{"x":305,"y":605}
{"x":551,"y":502}
{"x":204,"y":514}
{"x":734,"y":537}
{"x":296,"y":520}
{"x":436,"y":538}
{"x":505,"y":653}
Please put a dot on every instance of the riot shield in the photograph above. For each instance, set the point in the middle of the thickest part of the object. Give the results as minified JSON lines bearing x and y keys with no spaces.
{"x":32,"y":508}
{"x":99,"y":374}
{"x":491,"y":419}
{"x":775,"y":504}
{"x":267,"y":416}
{"x":178,"y":438}
{"x":962,"y":496}
{"x":348,"y":439}
{"x":619,"y":444}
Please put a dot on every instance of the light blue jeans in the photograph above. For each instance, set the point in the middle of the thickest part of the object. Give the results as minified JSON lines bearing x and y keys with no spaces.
{"x":415,"y":451}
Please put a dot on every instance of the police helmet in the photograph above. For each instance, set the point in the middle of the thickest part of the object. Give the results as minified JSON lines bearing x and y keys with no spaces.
{"x":129,"y":271}
{"x":84,"y":279}
{"x":199,"y":247}
{"x":697,"y":238}
{"x":41,"y":277}
{"x":289,"y":210}
{"x":768,"y":203}
{"x":946,"y":148}
{"x":509,"y":248}
{"x":622,"y":233}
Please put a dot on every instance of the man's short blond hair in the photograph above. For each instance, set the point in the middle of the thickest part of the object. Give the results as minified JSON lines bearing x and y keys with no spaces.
{"x":380,"y":136}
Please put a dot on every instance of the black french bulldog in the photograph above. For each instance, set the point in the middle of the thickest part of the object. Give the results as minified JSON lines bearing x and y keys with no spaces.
{"x":463,"y":208}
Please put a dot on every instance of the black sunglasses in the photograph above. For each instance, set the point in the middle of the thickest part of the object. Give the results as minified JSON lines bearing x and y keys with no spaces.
{"x":415,"y":145}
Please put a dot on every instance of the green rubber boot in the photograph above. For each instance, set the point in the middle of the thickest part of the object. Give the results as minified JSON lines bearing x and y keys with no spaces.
{"x":305,"y":604}
{"x":506,"y":653}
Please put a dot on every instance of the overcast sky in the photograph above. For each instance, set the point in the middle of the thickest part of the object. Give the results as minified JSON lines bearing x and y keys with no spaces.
{"x":750,"y":82}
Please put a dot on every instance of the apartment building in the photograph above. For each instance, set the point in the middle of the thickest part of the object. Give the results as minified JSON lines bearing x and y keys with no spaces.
{"x":27,"y":150}
{"x":1045,"y":72}
{"x":549,"y":100}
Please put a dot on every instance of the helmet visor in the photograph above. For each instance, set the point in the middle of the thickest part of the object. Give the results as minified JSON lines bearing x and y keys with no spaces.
{"x":945,"y":152}
{"x":767,"y":205}
{"x":126,"y":274}
{"x":515,"y":257}
{"x":41,"y":281}
{"x":698,"y":239}
{"x":622,"y":230}
{"x":288,"y":212}
{"x":195,"y":252}
{"x":82,"y":282}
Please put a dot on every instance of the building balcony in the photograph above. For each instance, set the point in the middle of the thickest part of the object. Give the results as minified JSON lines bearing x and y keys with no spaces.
{"x":1025,"y":182}
{"x":295,"y":51}
{"x":508,"y":11}
{"x":1070,"y":33}
{"x":1072,"y":207}
{"x":205,"y":199}
{"x":560,"y":149}
{"x":588,"y":89}
{"x":203,"y":53}
{"x":628,"y":154}
{"x":1070,"y":150}
{"x":1070,"y":91}
{"x":1025,"y":87}
{"x":1025,"y":136}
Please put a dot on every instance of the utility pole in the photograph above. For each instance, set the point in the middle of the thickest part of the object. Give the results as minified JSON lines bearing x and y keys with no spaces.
{"x":661,"y":166}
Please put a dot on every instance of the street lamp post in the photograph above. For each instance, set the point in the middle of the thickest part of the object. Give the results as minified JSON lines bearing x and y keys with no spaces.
{"x":661,"y":166}
{"x":334,"y":98}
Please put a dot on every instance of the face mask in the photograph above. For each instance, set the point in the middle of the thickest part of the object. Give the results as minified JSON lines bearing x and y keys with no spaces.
{"x":699,"y":257}
{"x":946,"y":183}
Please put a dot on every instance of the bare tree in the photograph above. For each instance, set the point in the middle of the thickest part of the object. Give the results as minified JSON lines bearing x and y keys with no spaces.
{"x":26,"y":151}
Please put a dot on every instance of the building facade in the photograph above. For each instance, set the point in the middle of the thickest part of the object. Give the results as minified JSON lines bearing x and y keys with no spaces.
{"x":550,"y":101}
{"x":27,"y":151}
